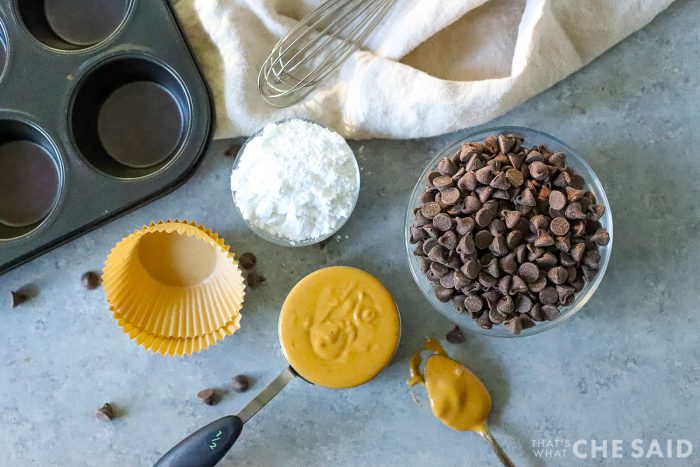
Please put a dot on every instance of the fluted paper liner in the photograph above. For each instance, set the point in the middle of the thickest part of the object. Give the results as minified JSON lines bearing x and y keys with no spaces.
{"x":180,"y":294}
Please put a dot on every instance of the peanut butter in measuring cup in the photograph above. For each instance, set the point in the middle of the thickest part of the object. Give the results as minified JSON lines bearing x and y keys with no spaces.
{"x":339,"y":327}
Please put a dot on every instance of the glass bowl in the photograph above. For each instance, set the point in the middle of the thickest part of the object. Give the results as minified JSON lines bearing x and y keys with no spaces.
{"x":574,"y":161}
{"x":285,"y":241}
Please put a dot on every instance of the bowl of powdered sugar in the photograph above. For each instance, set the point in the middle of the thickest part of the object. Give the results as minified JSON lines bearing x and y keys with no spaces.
{"x":295,"y":182}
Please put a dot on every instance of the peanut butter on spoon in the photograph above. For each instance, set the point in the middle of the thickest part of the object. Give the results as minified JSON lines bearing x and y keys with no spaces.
{"x":457,"y":396}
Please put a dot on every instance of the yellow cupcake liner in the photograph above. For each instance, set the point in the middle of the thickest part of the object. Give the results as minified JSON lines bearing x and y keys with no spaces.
{"x":170,"y":346}
{"x":176,"y":280}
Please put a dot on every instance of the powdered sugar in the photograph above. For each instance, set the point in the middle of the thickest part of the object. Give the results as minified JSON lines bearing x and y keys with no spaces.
{"x":296,"y":180}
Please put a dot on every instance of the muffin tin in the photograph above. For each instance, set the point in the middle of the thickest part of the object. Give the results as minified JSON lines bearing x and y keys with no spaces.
{"x":102,"y":109}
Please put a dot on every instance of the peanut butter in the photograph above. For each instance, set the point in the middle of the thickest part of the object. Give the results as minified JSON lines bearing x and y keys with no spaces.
{"x":339,"y":327}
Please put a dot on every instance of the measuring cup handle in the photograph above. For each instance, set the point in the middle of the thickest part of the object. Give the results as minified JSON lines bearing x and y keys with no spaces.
{"x":206,"y":446}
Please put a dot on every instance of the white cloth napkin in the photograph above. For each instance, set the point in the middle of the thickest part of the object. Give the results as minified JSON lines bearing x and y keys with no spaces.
{"x":432,"y":66}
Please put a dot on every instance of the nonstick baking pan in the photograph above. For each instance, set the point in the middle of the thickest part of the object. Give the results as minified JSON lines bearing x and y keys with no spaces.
{"x":102,"y":109}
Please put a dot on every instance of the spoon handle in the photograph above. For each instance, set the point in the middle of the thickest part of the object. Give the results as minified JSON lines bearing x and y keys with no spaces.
{"x":502,"y":456}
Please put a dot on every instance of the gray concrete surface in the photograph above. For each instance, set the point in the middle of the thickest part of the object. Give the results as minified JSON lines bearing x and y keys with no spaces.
{"x":627,"y":367}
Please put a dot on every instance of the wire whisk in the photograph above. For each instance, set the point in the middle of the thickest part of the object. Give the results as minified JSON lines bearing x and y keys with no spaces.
{"x":315,"y":47}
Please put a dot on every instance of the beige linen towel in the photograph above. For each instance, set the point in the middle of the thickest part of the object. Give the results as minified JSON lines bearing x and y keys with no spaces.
{"x":432,"y":66}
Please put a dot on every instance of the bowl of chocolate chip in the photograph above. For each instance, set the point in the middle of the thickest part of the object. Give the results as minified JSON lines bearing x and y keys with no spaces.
{"x":508,"y":232}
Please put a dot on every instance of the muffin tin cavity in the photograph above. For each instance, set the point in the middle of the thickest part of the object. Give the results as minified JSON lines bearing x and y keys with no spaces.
{"x":72,"y":24}
{"x":129,"y":117}
{"x":30,"y":178}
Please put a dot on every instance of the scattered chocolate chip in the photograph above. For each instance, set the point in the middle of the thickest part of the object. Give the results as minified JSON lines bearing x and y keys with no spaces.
{"x":456,"y":336}
{"x":255,"y":280}
{"x":233,"y":151}
{"x":240,"y":383}
{"x":17,"y":298}
{"x":90,"y":280}
{"x":247,"y":261}
{"x":208,"y":396}
{"x":105,"y":413}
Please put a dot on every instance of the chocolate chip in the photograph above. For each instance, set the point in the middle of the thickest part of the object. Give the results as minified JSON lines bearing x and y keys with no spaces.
{"x":430,"y":210}
{"x":471,"y":204}
{"x":506,"y":305}
{"x":538,"y":170}
{"x":439,"y":253}
{"x":577,"y":251}
{"x":523,"y":303}
{"x":511,"y":218}
{"x":529,"y":272}
{"x":207,"y":396}
{"x":443,"y":294}
{"x":450,"y":196}
{"x":483,"y":217}
{"x":442,"y":222}
{"x":17,"y":298}
{"x":559,"y":226}
{"x":543,"y":239}
{"x":448,"y":280}
{"x":466,"y":245}
{"x":105,"y":413}
{"x":484,"y":193}
{"x":484,"y":175}
{"x":597,"y":211}
{"x":424,"y":263}
{"x":550,"y":312}
{"x":601,"y":237}
{"x":474,"y":304}
{"x":536,"y":312}
{"x":417,"y":234}
{"x":486,"y":280}
{"x":526,"y":198}
{"x":447,"y":167}
{"x":514,"y":239}
{"x":497,"y":227}
{"x":505,"y":143}
{"x":499,"y":247}
{"x":429,"y":244}
{"x":548,"y":296}
{"x":456,"y":336}
{"x":496,"y":316}
{"x":475,"y":163}
{"x":591,"y":259}
{"x":514,"y":177}
{"x":443,"y":182}
{"x":500,"y":182}
{"x":483,"y":239}
{"x":514,"y":325}
{"x":448,"y":240}
{"x":438,"y":269}
{"x":558,"y":160}
{"x":233,"y":151}
{"x":467,"y":182}
{"x":517,"y":285}
{"x":562,"y":244}
{"x":566,"y":293}
{"x":458,"y":303}
{"x":574,"y":211}
{"x":90,"y":280}
{"x":240,"y":383}
{"x":255,"y":280}
{"x":508,"y":263}
{"x":557,"y":200}
{"x":465,"y":225}
{"x":484,"y":321}
{"x":557,"y":275}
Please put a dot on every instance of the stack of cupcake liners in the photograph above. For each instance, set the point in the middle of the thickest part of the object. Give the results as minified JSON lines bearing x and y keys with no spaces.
{"x":174,"y":287}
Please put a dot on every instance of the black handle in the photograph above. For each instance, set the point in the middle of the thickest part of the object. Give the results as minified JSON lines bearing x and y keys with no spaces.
{"x":206,"y":446}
